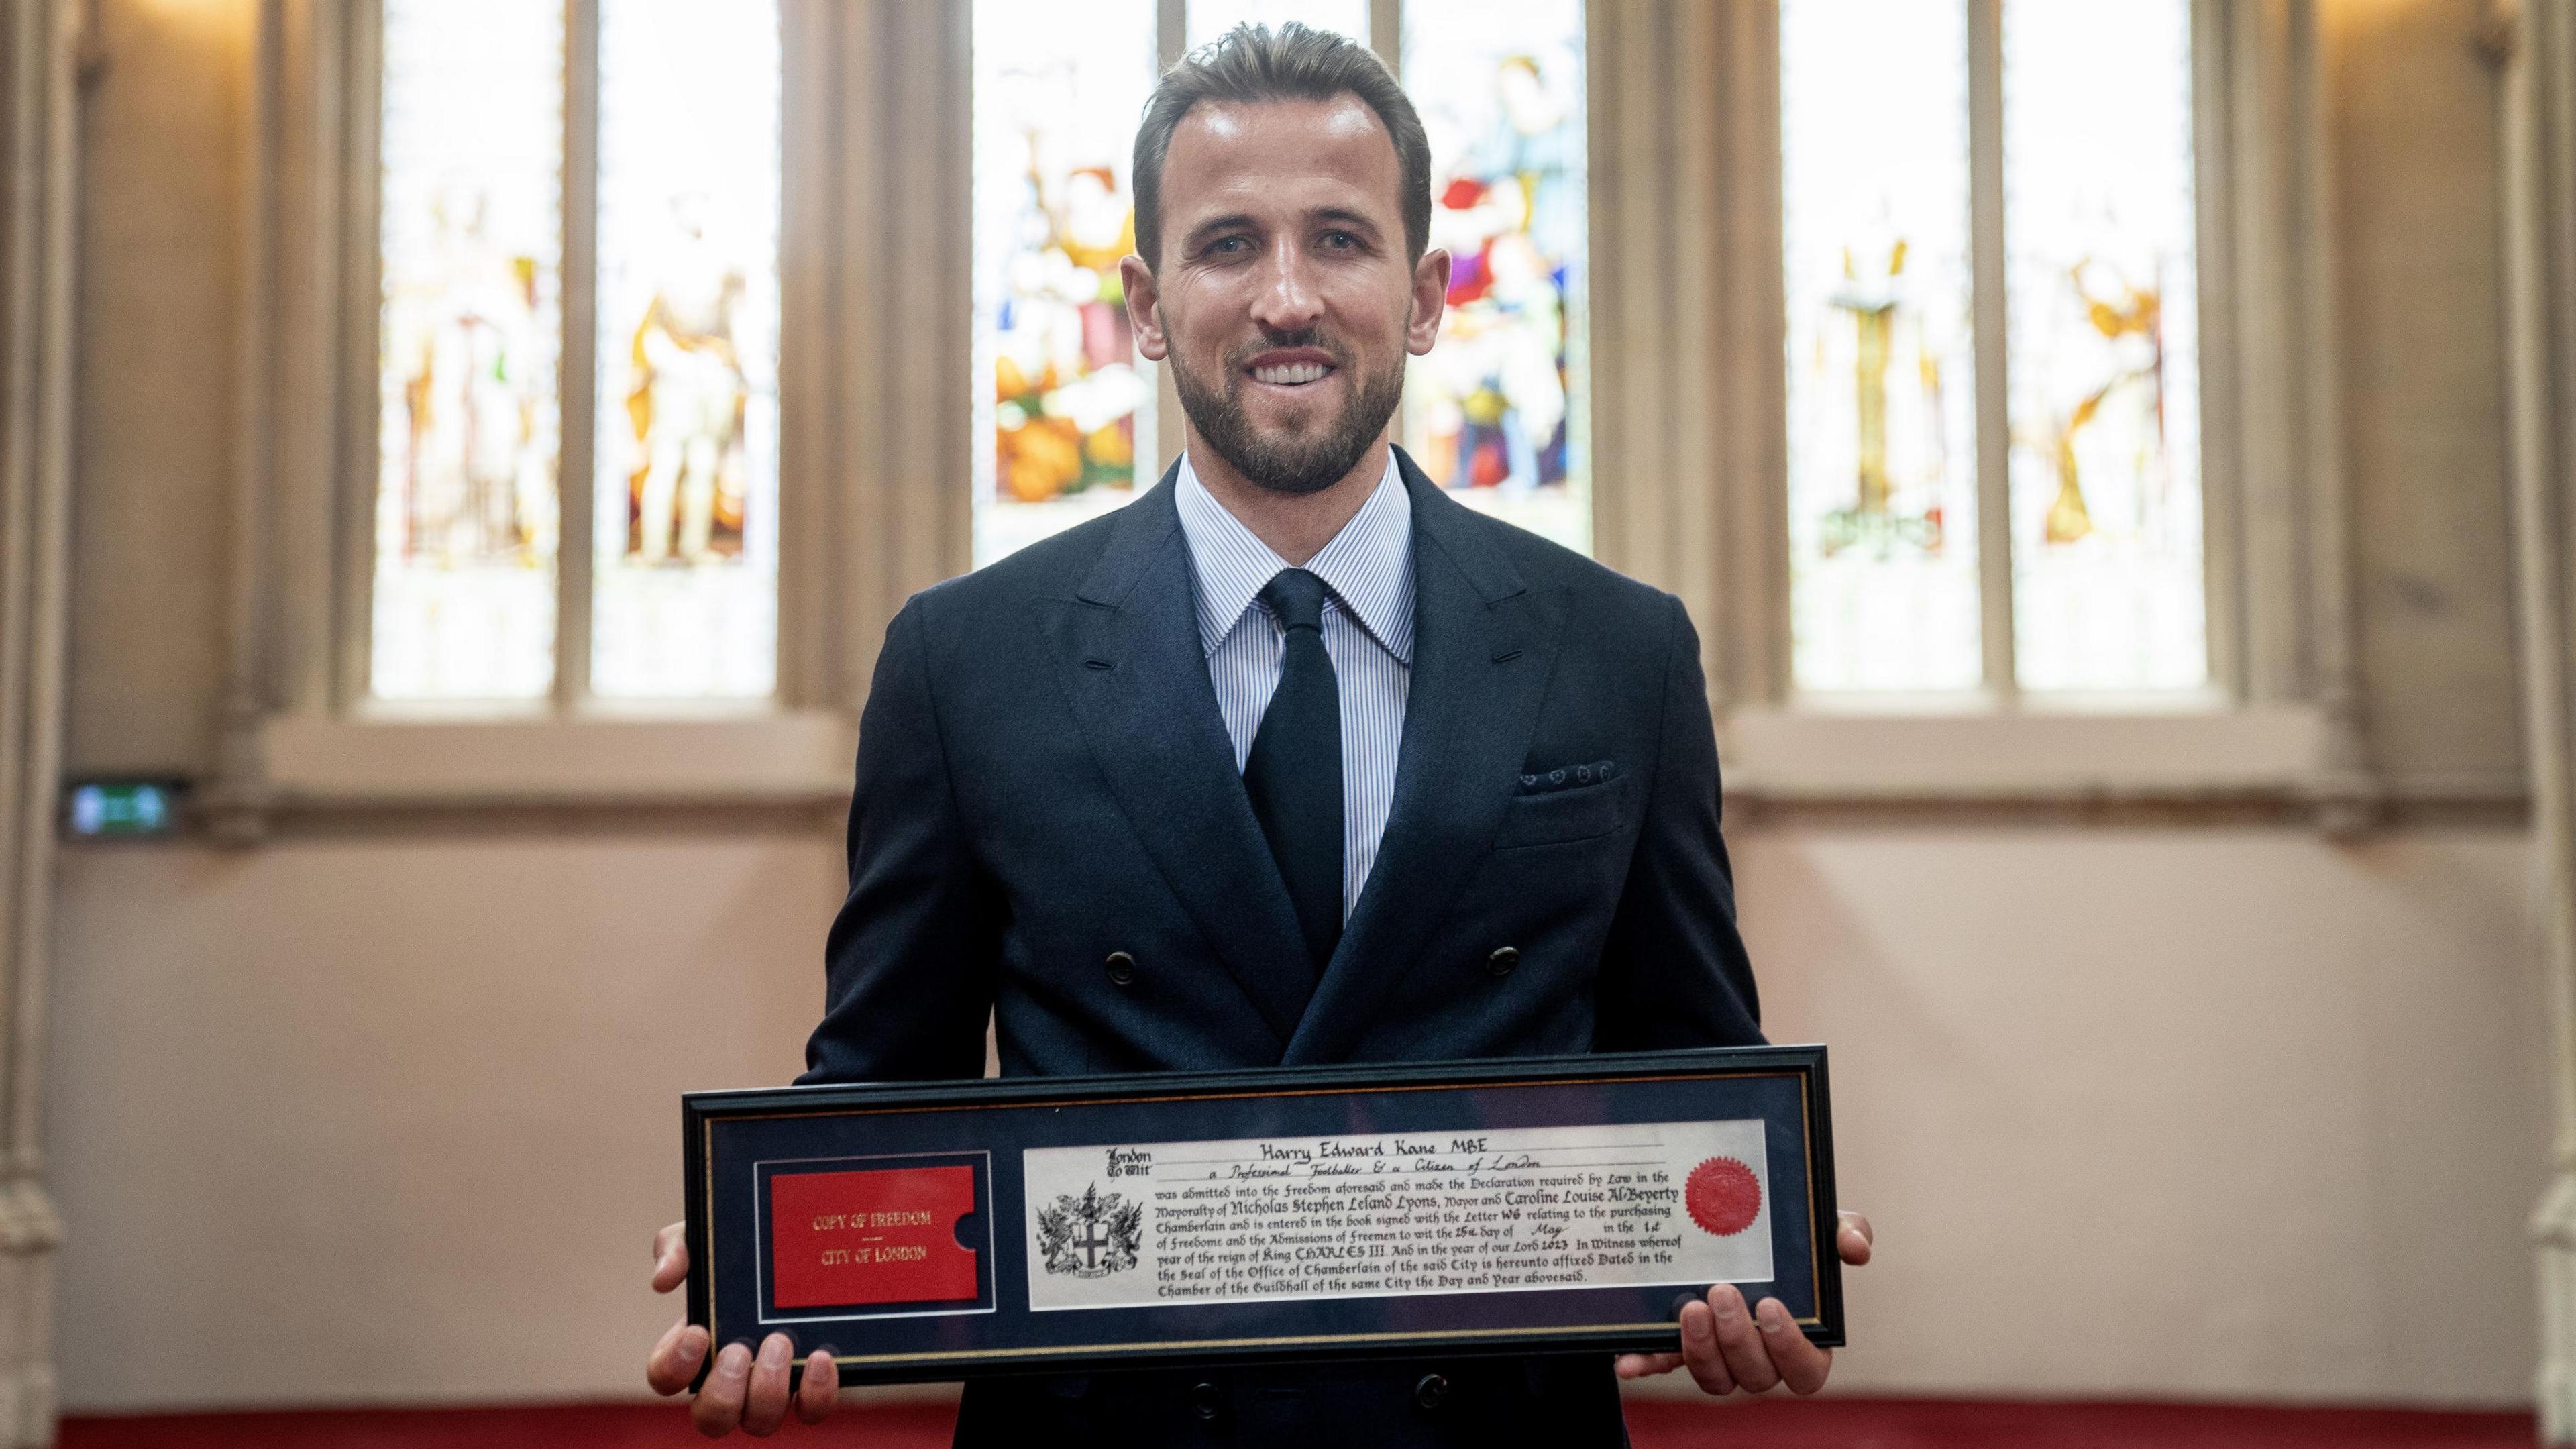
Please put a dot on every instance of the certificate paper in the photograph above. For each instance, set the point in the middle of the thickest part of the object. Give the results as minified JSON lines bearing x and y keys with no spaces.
{"x":1509,"y":1211}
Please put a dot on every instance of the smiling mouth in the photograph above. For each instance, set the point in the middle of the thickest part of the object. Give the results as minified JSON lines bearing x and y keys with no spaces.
{"x":1292,"y":374}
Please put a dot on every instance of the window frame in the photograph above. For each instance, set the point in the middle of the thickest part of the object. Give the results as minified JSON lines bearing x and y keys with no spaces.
{"x":874,"y":141}
{"x":575,"y":566}
{"x":1687,"y":424}
{"x":1999,"y":688}
{"x":1691,"y":472}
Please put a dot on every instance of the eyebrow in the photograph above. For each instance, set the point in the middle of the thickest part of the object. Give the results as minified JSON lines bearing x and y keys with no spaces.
{"x":1336,"y":215}
{"x":1356,"y":220}
{"x":1215,"y":224}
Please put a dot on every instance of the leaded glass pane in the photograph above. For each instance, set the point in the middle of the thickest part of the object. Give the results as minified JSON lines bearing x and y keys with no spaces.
{"x":468,"y":418}
{"x":685,"y":503}
{"x":2104,"y":360}
{"x":1064,"y":406}
{"x":1881,"y":387}
{"x":1497,"y":411}
{"x":1209,"y":19}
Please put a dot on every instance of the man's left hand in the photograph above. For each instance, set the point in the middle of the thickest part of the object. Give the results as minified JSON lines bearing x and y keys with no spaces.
{"x":1727,"y":1348}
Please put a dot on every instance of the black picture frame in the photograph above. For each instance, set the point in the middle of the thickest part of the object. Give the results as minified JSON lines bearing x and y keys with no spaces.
{"x":832,"y":1123}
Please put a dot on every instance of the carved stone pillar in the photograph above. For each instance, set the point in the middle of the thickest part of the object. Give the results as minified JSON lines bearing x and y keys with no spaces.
{"x":39,"y":61}
{"x":2534,"y":45}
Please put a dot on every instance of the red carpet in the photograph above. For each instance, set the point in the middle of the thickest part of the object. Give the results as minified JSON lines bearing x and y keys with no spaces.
{"x":1768,"y":1424}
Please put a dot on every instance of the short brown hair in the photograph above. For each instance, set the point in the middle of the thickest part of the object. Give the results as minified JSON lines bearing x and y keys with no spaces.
{"x":1253,"y":63}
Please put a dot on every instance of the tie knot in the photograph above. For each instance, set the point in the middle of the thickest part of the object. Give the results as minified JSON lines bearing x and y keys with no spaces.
{"x":1297,"y":598}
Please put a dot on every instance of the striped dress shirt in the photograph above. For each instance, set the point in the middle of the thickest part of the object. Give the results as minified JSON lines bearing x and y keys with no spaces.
{"x":1368,"y":633}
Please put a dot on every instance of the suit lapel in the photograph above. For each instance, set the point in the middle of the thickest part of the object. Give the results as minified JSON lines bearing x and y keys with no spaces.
{"x":1127,"y":651}
{"x":1483,"y":648}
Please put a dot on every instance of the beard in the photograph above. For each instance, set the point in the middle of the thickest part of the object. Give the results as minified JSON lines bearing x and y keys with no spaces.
{"x":1300,"y":458}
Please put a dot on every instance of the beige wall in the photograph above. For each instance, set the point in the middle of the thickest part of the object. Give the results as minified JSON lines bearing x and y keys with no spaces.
{"x":2205,"y":1113}
{"x":2201,"y":1110}
{"x":379,"y":1120}
{"x":2224,"y":1113}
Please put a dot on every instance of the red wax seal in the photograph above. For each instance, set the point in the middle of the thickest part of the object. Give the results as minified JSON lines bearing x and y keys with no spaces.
{"x":1723,"y":1196}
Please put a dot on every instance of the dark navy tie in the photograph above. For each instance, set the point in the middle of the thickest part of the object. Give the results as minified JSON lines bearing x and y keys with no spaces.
{"x":1294,"y":774}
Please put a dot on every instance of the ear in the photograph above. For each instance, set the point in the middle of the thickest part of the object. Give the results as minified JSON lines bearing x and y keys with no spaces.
{"x":1430,"y":299}
{"x":1144,"y":307}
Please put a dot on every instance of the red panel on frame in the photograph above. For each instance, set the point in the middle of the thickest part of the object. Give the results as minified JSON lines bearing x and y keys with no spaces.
{"x":888,"y":1235}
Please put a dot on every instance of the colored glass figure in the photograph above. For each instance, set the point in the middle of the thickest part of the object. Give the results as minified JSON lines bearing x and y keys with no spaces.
{"x":2107,"y":574}
{"x":1064,"y":405}
{"x":468,"y":413}
{"x":685,"y":542}
{"x":1881,"y":393}
{"x":1209,"y":19}
{"x":1496,"y":412}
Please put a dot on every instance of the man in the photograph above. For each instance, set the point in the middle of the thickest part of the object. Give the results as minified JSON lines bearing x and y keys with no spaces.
{"x":1294,"y":759}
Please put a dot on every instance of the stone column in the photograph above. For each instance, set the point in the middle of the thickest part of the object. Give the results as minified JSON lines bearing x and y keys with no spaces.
{"x":2530,"y":41}
{"x":39,"y":62}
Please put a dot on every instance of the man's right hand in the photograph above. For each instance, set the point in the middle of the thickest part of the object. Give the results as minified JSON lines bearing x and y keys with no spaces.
{"x":743,"y":1392}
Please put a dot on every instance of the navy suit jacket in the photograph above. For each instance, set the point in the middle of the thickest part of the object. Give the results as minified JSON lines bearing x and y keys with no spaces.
{"x":1044,"y":783}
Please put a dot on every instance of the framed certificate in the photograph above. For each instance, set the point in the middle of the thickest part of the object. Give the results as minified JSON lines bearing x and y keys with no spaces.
{"x":939,"y":1231}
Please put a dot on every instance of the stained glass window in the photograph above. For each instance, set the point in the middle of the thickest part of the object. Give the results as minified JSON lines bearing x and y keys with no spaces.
{"x":1881,"y":388}
{"x":685,"y":511}
{"x":1064,"y":406}
{"x":2100,"y":347}
{"x":1497,"y":411}
{"x":2098,"y":218}
{"x":682,"y":554}
{"x":1209,"y":19}
{"x":469,"y":349}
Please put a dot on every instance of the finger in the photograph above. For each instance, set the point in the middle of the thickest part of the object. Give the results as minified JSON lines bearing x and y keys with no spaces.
{"x":670,"y":1257}
{"x":1741,"y":1342}
{"x":764,"y":1402}
{"x":1854,"y":1239}
{"x":1700,"y":1353}
{"x":719,"y":1404}
{"x":674,"y":1361}
{"x":1645,"y":1365}
{"x":821,"y":1389}
{"x":1802,"y":1365}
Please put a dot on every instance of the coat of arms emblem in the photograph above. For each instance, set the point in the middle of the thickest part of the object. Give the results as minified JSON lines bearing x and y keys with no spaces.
{"x":1091,"y":1236}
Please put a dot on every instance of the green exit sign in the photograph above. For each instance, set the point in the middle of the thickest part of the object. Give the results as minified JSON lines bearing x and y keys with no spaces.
{"x":121,"y":807}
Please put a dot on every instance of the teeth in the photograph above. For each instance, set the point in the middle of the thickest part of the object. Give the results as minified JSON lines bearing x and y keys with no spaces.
{"x":1292,"y":375}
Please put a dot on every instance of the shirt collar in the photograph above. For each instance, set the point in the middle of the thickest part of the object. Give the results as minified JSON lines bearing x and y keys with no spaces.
{"x":1368,"y":565}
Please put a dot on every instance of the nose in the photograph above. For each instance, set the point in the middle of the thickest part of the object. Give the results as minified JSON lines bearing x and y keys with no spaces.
{"x":1287,"y":301}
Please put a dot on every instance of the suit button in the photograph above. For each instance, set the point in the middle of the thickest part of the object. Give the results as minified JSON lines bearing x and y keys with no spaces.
{"x":1502,"y":961}
{"x":1207,"y":1402}
{"x":1431,"y":1390}
{"x":1122,"y":969}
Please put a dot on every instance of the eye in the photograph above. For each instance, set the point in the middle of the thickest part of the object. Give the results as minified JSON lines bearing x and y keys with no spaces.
{"x":1228,"y":246}
{"x":1341,"y":241}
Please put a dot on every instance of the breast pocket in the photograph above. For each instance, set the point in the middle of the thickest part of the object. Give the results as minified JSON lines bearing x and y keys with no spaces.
{"x":1559,"y":816}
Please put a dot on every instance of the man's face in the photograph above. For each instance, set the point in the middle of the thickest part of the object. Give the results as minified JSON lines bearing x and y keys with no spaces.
{"x":1285,"y":304}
